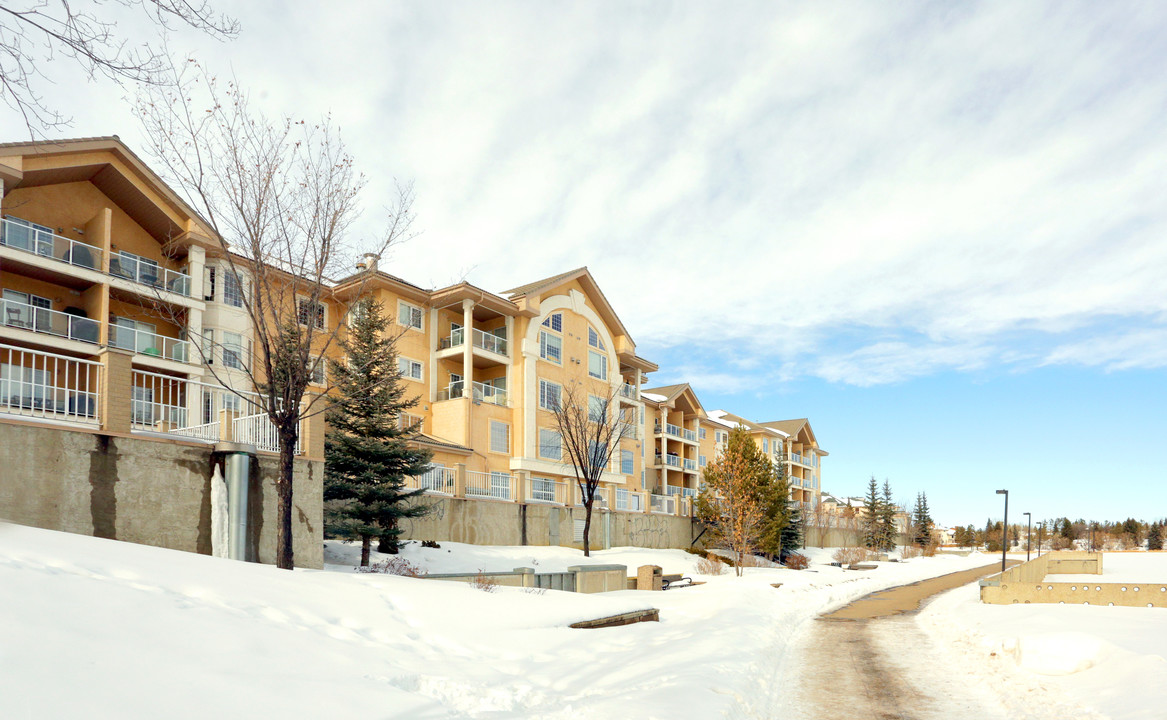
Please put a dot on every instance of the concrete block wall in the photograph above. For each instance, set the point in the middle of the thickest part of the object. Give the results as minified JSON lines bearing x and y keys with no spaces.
{"x":1030,"y":583}
{"x":144,"y":490}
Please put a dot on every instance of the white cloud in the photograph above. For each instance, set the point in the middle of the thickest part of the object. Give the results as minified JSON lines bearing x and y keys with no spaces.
{"x":769,"y":178}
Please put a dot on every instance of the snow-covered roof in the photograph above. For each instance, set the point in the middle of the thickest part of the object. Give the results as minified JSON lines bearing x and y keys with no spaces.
{"x":653,"y":396}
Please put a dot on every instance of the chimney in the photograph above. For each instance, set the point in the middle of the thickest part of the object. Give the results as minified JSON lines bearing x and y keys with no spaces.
{"x":368,"y":262}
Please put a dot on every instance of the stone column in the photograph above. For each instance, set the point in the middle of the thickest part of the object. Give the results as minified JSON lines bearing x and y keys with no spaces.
{"x":116,"y":388}
{"x":521,"y":483}
{"x":460,"y":480}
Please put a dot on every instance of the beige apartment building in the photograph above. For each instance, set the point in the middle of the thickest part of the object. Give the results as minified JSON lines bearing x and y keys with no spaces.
{"x":120,"y":318}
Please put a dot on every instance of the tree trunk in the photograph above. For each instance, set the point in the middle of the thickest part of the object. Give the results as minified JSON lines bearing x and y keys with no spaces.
{"x":366,"y":541}
{"x":284,"y":556}
{"x":588,"y":523}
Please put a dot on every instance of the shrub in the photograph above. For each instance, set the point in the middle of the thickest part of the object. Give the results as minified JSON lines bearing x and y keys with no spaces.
{"x":797,"y":562}
{"x":394,"y":566}
{"x":484,"y":582}
{"x":931,"y":548}
{"x":710,"y":565}
{"x":909,"y":551}
{"x":849,"y":555}
{"x":430,"y":544}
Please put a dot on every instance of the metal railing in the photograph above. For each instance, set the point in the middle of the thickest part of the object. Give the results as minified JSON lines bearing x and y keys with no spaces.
{"x":600,"y":498}
{"x":453,"y":340}
{"x":672,"y":460}
{"x":691,"y":435}
{"x":50,"y":322}
{"x":158,"y":402}
{"x":19,"y":234}
{"x":496,"y":485}
{"x":206,"y":431}
{"x":148,"y":343}
{"x":629,"y":391}
{"x":544,"y":490}
{"x":690,"y":464}
{"x":491,"y":342}
{"x":665,"y":504}
{"x":44,"y":385}
{"x":260,"y":431}
{"x":490,"y":394}
{"x":435,"y":480}
{"x":149,"y":273}
{"x":629,"y":500}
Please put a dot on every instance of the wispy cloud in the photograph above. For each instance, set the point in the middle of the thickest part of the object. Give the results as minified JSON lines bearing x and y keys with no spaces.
{"x":861,"y":194}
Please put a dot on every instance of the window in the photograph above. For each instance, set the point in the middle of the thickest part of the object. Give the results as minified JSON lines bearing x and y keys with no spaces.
{"x":550,"y":347}
{"x":409,"y":368}
{"x":317,"y":368}
{"x":549,"y":395}
{"x":309,"y":312}
{"x":626,"y":462}
{"x":210,"y":291}
{"x":594,"y":339}
{"x":233,"y":350}
{"x":550,"y":444}
{"x":765,"y":445}
{"x":409,"y":315}
{"x":597,"y":413}
{"x":701,"y":433}
{"x":232,"y":402}
{"x":555,"y":322}
{"x":233,"y":294}
{"x":23,"y":310}
{"x":701,"y":460}
{"x":597,"y":365}
{"x":208,"y":407}
{"x":500,"y":437}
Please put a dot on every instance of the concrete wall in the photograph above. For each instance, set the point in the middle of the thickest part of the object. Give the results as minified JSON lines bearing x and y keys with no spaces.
{"x":153,"y":492}
{"x":1029,"y":583}
{"x":484,"y":522}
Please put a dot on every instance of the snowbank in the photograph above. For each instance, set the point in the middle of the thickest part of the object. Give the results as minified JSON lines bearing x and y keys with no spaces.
{"x":100,"y":629}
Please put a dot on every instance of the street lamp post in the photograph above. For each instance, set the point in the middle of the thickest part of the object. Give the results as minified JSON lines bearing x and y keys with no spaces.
{"x":1028,"y":526}
{"x":1040,"y":528}
{"x":1004,"y":528}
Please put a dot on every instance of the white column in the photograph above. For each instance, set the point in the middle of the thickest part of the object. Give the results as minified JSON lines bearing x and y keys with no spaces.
{"x":433,"y":355}
{"x":468,"y":362}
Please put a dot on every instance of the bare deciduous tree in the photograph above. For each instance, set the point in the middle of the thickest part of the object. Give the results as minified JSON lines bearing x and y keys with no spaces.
{"x":280,"y":197}
{"x":34,"y":32}
{"x":591,"y":430}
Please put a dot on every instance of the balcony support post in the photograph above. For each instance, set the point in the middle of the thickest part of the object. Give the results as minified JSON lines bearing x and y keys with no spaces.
{"x":460,"y":480}
{"x":116,"y":385}
{"x":468,"y":361}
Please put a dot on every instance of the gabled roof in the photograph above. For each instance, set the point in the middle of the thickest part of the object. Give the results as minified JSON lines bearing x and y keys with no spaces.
{"x":793,"y":427}
{"x":730,"y":420}
{"x":440,"y":444}
{"x":541,"y":287}
{"x":671,"y":393}
{"x":534,"y":287}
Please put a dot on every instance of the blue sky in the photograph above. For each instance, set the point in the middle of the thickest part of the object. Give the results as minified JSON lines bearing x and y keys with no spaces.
{"x":936,"y":229}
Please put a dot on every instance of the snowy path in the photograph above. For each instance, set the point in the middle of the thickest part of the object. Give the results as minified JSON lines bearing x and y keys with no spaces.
{"x":877,"y":663}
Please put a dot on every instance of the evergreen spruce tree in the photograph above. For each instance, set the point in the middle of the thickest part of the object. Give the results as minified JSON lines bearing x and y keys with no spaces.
{"x":872,"y":538}
{"x":777,"y":502}
{"x":887,"y":518}
{"x":1155,"y":536}
{"x":922,"y":521}
{"x":367,"y":457}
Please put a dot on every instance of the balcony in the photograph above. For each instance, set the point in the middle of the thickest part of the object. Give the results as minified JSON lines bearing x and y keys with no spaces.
{"x":691,"y":435}
{"x":493,"y":485}
{"x":804,"y":460}
{"x":663,"y":504}
{"x":47,"y":386}
{"x":678,"y":432}
{"x":682,"y":491}
{"x":629,"y":500}
{"x":690,"y":464}
{"x":437,"y":480}
{"x":482,"y":340}
{"x":627,"y":431}
{"x":149,"y":273}
{"x":629,"y":391}
{"x":148,"y":343}
{"x":481,"y":393}
{"x":669,"y":460}
{"x":39,"y":240}
{"x":49,"y":322}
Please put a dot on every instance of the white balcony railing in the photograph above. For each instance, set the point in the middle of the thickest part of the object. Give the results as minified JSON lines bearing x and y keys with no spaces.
{"x":682,"y":491}
{"x":148,"y":343}
{"x":481,"y":393}
{"x":149,"y":273}
{"x":435,"y":480}
{"x":260,"y":431}
{"x":490,"y":342}
{"x":50,"y":322}
{"x":691,"y":435}
{"x":544,"y":490}
{"x":600,"y":499}
{"x":206,"y":431}
{"x":158,"y":402}
{"x":496,"y":485}
{"x":45,"y":385}
{"x":629,"y":391}
{"x":39,"y":240}
{"x":670,"y":460}
{"x":455,"y":339}
{"x":665,"y":504}
{"x":690,"y":464}
{"x":629,"y":500}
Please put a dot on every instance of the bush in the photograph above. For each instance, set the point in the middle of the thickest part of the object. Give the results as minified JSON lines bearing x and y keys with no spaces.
{"x":909,"y":551}
{"x":710,"y":565}
{"x":849,"y":555}
{"x":797,"y":562}
{"x":394,"y":566}
{"x":484,"y":582}
{"x":931,"y":548}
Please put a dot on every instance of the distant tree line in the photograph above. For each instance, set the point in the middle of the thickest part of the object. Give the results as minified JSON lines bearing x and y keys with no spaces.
{"x":1065,"y":534}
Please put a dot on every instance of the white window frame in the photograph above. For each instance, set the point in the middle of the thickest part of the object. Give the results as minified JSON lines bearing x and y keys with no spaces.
{"x":552,"y":320}
{"x":543,"y":384}
{"x":545,"y":344}
{"x":603,"y":363}
{"x":236,"y":350}
{"x":594,"y":339}
{"x":597,"y":413}
{"x":627,"y":462}
{"x":407,"y":319}
{"x":506,"y":429}
{"x":320,"y":364}
{"x":233,"y":287}
{"x":321,"y":321}
{"x":407,"y":370}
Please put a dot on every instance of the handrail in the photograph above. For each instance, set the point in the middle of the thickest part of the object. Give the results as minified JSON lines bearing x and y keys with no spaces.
{"x":22,"y":235}
{"x":50,"y":322}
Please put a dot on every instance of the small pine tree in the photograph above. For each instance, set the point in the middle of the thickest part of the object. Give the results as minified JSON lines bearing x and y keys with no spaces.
{"x":367,"y":457}
{"x":733,"y":501}
{"x":887,"y":518}
{"x":922,"y":521}
{"x":1155,"y":536}
{"x":872,"y":538}
{"x":777,"y":502}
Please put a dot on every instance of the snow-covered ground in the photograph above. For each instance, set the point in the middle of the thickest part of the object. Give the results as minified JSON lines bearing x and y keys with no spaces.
{"x":1106,"y":660}
{"x":100,"y":629}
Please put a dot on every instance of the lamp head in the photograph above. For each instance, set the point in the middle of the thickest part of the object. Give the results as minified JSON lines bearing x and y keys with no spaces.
{"x":1002,"y":492}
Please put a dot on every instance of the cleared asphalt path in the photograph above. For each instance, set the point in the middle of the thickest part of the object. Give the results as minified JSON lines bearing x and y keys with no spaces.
{"x":868,"y":660}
